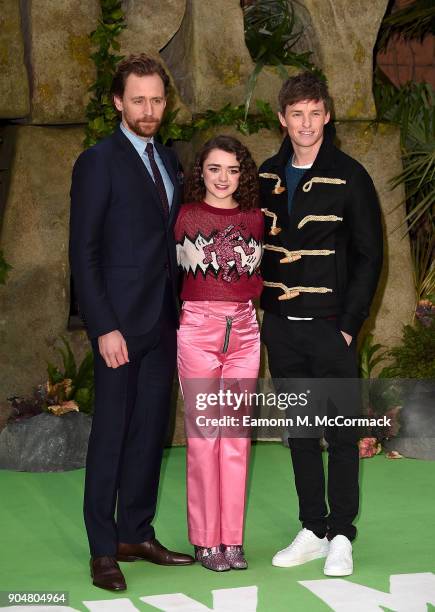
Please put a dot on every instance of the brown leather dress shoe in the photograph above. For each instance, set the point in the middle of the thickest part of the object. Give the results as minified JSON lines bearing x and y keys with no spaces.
{"x":152,"y":550}
{"x":106,"y":574}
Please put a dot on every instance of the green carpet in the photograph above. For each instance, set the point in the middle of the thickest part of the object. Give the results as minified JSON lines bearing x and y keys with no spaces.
{"x":43,"y":543}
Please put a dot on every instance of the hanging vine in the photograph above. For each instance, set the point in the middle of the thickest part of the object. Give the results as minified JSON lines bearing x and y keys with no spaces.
{"x":228,"y":115}
{"x":100,"y":112}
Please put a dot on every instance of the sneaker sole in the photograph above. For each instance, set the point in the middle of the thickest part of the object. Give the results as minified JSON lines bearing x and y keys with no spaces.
{"x":344,"y":572}
{"x":300,"y":560}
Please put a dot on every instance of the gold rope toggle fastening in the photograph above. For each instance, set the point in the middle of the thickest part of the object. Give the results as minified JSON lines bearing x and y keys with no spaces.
{"x":291,"y":256}
{"x":274,"y":230}
{"x":278,"y":187}
{"x":321,"y":179}
{"x":288,"y":293}
{"x":309,"y":218}
{"x":292,"y":292}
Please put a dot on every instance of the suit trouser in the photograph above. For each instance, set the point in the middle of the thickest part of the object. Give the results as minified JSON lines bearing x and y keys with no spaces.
{"x":217,"y":460}
{"x":132,"y":406}
{"x":317,"y":349}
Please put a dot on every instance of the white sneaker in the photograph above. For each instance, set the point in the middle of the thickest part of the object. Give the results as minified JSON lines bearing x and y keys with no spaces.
{"x":305,"y":547}
{"x":339,"y":560}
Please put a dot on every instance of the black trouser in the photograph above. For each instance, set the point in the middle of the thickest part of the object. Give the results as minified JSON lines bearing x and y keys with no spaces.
{"x":132,"y":406}
{"x":317,"y":349}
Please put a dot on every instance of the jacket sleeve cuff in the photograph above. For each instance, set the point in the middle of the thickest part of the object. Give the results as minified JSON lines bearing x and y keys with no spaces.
{"x":98,"y":328}
{"x":350,"y":324}
{"x":95,"y":333}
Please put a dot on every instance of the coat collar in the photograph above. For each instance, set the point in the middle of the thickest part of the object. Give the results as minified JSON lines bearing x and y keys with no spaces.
{"x":325,"y":158}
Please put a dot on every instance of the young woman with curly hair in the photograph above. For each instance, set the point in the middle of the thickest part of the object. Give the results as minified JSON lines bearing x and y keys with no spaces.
{"x":219,"y":235}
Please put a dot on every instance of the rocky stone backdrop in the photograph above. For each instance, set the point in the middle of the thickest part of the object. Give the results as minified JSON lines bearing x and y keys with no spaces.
{"x":46,"y":72}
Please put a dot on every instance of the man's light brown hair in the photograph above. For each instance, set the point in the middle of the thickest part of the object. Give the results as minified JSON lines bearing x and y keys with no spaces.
{"x":304,"y":86}
{"x":140,"y":65}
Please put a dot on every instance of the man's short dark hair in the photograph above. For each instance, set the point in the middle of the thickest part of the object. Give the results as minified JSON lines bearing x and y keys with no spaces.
{"x":304,"y":86}
{"x":140,"y":65}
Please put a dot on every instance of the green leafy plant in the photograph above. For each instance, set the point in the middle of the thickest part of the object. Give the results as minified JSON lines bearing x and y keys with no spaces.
{"x":378,"y":397}
{"x":412,"y":108}
{"x":415,"y":356}
{"x":272,"y":29}
{"x":102,"y":116}
{"x":171,"y":130}
{"x":411,"y":22}
{"x":369,"y":356}
{"x":422,"y":249}
{"x":67,"y":389}
{"x":74,"y":383}
{"x":409,"y":106}
{"x":4,"y":269}
{"x":228,"y":115}
{"x":418,"y":176}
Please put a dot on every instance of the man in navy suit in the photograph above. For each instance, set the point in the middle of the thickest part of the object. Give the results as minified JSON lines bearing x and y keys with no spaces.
{"x":124,"y":201}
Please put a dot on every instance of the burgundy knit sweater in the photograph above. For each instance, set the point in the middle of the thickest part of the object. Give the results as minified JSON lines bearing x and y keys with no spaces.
{"x":219,"y":251}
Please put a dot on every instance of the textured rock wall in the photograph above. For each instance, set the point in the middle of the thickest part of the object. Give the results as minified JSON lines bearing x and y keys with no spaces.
{"x":62,"y":70}
{"x":209,"y":60}
{"x":34,"y":303}
{"x":59,"y":50}
{"x":347,"y":32}
{"x":207,"y":55}
{"x":341,"y":35}
{"x":149,"y":29}
{"x":203,"y":45}
{"x":14,"y":86}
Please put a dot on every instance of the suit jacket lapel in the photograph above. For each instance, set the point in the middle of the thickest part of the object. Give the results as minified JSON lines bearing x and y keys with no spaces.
{"x":135,"y":161}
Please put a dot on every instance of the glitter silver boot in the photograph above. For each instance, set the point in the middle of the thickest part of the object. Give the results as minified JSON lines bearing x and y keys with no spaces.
{"x":212,"y":558}
{"x":235,"y":556}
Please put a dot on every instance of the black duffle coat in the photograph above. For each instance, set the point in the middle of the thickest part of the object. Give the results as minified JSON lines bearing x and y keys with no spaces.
{"x":334,"y":224}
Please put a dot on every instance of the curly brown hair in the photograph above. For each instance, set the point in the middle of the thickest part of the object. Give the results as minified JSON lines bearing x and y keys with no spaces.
{"x":247,"y":193}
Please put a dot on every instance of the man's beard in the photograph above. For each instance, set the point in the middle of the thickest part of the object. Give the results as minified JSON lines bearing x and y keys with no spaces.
{"x":148,"y":129}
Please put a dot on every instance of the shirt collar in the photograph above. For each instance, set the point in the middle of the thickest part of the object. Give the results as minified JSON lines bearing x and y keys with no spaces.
{"x":139,"y":142}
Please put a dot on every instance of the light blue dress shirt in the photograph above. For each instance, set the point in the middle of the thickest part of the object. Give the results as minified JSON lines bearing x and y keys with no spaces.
{"x":139,"y":143}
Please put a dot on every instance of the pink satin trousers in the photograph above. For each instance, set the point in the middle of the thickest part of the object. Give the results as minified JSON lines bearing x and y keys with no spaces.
{"x":217,"y":341}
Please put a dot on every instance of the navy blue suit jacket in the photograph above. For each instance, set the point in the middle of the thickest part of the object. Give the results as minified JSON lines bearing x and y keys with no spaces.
{"x":122,"y":248}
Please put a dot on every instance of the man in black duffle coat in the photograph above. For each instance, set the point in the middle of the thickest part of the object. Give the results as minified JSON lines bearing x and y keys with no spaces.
{"x":321,"y":265}
{"x":124,"y":202}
